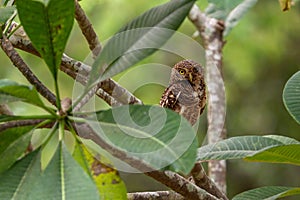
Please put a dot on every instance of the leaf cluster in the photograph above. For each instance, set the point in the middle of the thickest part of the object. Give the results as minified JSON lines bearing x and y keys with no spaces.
{"x":155,"y":136}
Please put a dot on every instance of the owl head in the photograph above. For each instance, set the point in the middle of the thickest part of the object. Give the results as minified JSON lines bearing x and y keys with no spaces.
{"x":187,"y":70}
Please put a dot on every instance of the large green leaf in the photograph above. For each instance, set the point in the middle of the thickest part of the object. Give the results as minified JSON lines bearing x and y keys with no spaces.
{"x":268,"y":193}
{"x":158,"y":136}
{"x":13,"y":143}
{"x":241,"y":147}
{"x":62,"y":179}
{"x":280,"y":154}
{"x":48,"y":25}
{"x":11,"y":91}
{"x":291,"y":96}
{"x":230,"y":11}
{"x":139,"y":38}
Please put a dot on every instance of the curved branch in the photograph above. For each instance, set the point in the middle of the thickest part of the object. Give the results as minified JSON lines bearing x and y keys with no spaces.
{"x":19,"y":123}
{"x":202,"y":180}
{"x":158,"y":195}
{"x":25,"y":70}
{"x":87,"y":30}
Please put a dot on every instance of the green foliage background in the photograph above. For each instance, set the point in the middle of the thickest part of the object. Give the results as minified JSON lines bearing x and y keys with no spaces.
{"x":260,"y":55}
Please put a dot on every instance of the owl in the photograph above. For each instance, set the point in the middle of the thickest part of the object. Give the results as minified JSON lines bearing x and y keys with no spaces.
{"x":186,"y":93}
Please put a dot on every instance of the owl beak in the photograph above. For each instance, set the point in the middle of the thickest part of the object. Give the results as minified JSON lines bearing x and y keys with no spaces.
{"x":191,"y":78}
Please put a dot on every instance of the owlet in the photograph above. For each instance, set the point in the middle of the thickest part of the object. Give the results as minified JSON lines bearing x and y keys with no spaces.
{"x":186,"y":93}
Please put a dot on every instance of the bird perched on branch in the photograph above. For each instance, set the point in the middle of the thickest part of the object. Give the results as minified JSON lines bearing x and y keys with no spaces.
{"x":186,"y":93}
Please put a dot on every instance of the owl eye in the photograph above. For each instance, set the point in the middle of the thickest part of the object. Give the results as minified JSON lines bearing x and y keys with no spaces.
{"x":181,"y":71}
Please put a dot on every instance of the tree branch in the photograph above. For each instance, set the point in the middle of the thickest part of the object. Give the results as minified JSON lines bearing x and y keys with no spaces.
{"x":87,"y":30}
{"x":25,"y":70}
{"x":202,"y":180}
{"x":158,"y":195}
{"x":19,"y":123}
{"x":211,"y":30}
{"x":108,"y":90}
{"x":172,"y":180}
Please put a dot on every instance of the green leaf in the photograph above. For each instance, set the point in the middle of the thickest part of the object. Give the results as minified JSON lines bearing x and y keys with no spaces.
{"x":236,"y":14}
{"x":107,"y":179}
{"x":241,"y":147}
{"x":48,"y":25}
{"x":6,"y":13}
{"x":291,"y":97}
{"x":158,"y":136}
{"x":139,"y":38}
{"x":11,"y":91}
{"x":284,"y":140}
{"x":78,"y":155}
{"x":229,"y":11}
{"x":50,"y":147}
{"x":281,"y":154}
{"x":16,"y":178}
{"x":268,"y":193}
{"x":62,"y":179}
{"x":13,"y":144}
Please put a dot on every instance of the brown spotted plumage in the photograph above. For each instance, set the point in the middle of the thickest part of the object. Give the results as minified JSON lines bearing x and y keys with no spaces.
{"x":186,"y":93}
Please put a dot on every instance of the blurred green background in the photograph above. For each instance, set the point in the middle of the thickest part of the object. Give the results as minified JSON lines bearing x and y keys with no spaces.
{"x":260,"y":55}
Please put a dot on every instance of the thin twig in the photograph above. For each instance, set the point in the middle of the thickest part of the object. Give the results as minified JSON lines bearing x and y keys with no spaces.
{"x":202,"y":180}
{"x":158,"y":195}
{"x":109,"y":90}
{"x":20,"y":123}
{"x":85,"y":99}
{"x":25,"y":70}
{"x":95,"y":46}
{"x":87,"y":30}
{"x":211,"y":31}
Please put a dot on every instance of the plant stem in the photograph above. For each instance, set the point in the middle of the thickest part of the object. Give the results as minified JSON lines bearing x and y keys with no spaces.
{"x":58,"y":104}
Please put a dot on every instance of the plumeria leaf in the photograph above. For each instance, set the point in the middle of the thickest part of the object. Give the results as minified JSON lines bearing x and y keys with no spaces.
{"x":158,"y":136}
{"x":48,"y":25}
{"x":139,"y":38}
{"x":13,"y":144}
{"x":268,"y":193}
{"x":242,"y":147}
{"x":62,"y":179}
{"x":291,"y":97}
{"x":11,"y":91}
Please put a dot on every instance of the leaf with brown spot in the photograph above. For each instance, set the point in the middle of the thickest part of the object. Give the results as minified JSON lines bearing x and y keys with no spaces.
{"x":107,"y":179}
